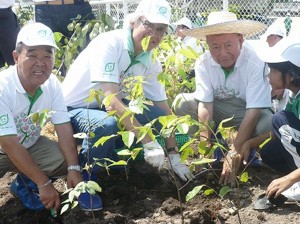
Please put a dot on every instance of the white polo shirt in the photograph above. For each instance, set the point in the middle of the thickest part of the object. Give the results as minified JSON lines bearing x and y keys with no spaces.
{"x":248,"y":80}
{"x":15,"y":106}
{"x":106,"y":59}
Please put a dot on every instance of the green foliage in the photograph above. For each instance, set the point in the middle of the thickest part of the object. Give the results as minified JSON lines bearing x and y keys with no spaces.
{"x":69,"y":49}
{"x":244,"y":177}
{"x":73,"y":193}
{"x":224,"y":190}
{"x":24,"y":14}
{"x":41,"y":117}
{"x":177,"y":63}
{"x":194,"y":192}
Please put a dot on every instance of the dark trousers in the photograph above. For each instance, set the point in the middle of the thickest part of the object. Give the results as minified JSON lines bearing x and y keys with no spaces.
{"x":9,"y":29}
{"x":58,"y":17}
{"x":283,"y":152}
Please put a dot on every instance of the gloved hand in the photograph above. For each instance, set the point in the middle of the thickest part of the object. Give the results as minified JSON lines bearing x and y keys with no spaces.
{"x":154,"y":154}
{"x":179,"y":168}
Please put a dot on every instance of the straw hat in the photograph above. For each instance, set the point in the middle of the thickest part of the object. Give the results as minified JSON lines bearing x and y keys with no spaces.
{"x":224,"y":22}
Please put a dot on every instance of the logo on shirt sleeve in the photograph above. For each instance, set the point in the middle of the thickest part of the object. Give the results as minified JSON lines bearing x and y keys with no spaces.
{"x":3,"y":119}
{"x":109,"y":67}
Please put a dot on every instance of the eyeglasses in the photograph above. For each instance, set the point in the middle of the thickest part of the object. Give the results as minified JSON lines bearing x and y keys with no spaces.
{"x":161,"y":31}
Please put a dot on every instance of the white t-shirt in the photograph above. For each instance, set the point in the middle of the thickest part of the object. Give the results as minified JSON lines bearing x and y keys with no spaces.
{"x":248,"y":80}
{"x":106,"y":59}
{"x":6,"y":3}
{"x":15,"y":106}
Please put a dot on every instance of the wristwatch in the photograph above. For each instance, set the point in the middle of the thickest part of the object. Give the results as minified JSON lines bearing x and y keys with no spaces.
{"x":75,"y":167}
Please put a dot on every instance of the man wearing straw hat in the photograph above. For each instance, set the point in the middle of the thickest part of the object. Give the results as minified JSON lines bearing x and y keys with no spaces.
{"x":230,"y":82}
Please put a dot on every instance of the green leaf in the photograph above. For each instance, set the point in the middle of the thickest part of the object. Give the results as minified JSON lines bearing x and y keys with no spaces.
{"x":136,"y":105}
{"x":92,"y":185}
{"x":135,"y":152}
{"x":224,"y":190}
{"x":107,"y":100}
{"x":43,"y":118}
{"x":183,"y":128}
{"x":72,"y":195}
{"x":35,"y":117}
{"x":244,"y":177}
{"x":188,"y":53}
{"x":209,"y":191}
{"x":64,"y":209}
{"x":203,"y":161}
{"x":265,"y":142}
{"x":102,"y":140}
{"x":194,"y":192}
{"x":145,"y":43}
{"x":127,"y":137}
{"x":124,"y":152}
{"x":57,"y":36}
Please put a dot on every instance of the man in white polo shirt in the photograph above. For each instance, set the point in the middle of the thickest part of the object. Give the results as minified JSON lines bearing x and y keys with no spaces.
{"x":230,"y":82}
{"x":103,"y":65}
{"x":26,"y":88}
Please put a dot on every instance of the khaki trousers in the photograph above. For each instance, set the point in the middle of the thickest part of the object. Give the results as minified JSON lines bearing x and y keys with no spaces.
{"x":187,"y":104}
{"x":47,"y":156}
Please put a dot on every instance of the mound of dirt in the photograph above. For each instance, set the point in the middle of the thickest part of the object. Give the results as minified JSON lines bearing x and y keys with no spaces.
{"x":145,"y":196}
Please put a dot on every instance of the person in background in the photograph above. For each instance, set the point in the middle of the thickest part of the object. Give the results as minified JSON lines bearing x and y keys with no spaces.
{"x":104,"y":65}
{"x":182,"y":25}
{"x":26,"y":88}
{"x":230,"y":82}
{"x":282,"y":151}
{"x":9,"y":29}
{"x":58,"y":14}
{"x":272,"y":36}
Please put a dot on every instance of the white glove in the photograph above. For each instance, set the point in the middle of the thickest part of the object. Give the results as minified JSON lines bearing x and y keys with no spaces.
{"x":179,"y":168}
{"x":154,"y":154}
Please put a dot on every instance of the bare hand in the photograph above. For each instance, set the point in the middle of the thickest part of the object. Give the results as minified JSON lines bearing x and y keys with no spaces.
{"x":230,"y":166}
{"x":277,"y":94}
{"x":277,"y":186}
{"x":245,"y":152}
{"x":49,"y":197}
{"x":73,"y":178}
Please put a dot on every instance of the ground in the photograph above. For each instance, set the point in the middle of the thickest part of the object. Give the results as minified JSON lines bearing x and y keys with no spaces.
{"x":147,"y":196}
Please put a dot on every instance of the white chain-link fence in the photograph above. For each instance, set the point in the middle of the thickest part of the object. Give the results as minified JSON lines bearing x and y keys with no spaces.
{"x":266,"y":11}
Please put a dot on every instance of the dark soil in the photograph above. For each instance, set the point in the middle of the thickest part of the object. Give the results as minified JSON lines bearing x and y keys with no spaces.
{"x":150,"y":197}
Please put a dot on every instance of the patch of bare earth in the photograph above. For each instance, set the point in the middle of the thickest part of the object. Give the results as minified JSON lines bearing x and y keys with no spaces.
{"x":150,"y":197}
